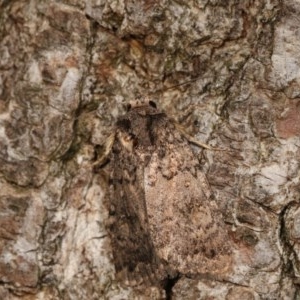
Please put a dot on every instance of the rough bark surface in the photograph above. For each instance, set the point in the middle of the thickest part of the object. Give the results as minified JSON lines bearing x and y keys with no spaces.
{"x":227,"y":71}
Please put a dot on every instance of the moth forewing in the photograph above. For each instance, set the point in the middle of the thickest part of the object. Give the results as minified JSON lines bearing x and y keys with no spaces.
{"x":164,"y":220}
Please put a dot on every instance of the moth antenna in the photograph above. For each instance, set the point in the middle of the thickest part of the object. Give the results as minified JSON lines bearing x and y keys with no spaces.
{"x":175,"y":86}
{"x":195,"y":141}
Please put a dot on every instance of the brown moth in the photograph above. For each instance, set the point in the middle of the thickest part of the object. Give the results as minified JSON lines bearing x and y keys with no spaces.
{"x":163,"y":222}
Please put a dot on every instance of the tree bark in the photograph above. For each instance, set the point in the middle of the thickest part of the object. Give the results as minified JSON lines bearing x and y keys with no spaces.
{"x":227,"y":71}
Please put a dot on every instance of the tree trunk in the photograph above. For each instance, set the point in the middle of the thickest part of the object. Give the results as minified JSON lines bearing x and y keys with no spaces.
{"x":227,"y":71}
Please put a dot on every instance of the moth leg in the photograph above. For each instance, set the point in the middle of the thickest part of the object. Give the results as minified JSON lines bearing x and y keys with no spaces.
{"x":107,"y":149}
{"x":194,"y":141}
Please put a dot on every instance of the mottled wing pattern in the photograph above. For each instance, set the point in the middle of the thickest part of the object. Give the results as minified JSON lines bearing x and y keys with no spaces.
{"x":134,"y":255}
{"x":162,"y":218}
{"x":186,"y":228}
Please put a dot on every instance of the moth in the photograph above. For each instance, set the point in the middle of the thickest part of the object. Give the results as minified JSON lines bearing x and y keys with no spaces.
{"x":163,"y":221}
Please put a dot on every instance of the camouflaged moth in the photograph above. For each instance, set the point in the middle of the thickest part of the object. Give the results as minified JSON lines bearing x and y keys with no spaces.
{"x":163,"y":221}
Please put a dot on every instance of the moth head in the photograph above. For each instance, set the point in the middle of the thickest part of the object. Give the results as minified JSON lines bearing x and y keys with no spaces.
{"x":144,"y":102}
{"x":136,"y":130}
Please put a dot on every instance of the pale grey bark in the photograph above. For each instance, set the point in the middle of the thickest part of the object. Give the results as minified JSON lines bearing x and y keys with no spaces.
{"x":228,"y":71}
